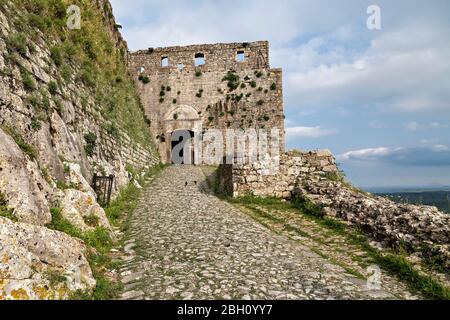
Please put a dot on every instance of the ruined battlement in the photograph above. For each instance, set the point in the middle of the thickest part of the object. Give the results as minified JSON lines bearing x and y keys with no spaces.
{"x":209,"y":57}
{"x":200,"y":87}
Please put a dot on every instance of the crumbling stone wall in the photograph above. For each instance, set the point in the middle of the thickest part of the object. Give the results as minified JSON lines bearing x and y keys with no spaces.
{"x":313,"y":176}
{"x":268,"y":178}
{"x":181,"y":95}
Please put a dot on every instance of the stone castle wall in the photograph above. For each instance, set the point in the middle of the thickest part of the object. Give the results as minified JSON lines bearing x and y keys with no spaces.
{"x":184,"y":96}
{"x":267,"y":178}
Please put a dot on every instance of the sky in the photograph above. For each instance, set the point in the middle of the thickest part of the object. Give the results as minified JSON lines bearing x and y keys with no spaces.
{"x":378,"y":99}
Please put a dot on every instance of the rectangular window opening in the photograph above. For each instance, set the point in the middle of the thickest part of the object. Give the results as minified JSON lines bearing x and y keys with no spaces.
{"x":199,"y":59}
{"x":240,"y":56}
{"x":164,"y":62}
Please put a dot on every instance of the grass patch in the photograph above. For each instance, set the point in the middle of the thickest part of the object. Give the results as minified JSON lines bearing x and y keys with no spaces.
{"x":91,"y":143}
{"x":27,"y":80}
{"x":393,"y":262}
{"x":306,"y":206}
{"x":17,"y":42}
{"x":5,"y":212}
{"x":53,"y":88}
{"x":98,"y":239}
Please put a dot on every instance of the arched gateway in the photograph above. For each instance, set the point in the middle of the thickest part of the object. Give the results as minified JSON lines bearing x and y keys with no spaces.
{"x":181,"y":123}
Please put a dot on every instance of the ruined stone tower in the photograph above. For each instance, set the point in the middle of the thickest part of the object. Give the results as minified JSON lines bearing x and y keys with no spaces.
{"x":201,"y":87}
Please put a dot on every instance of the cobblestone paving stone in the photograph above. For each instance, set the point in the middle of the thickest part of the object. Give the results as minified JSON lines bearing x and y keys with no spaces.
{"x":185,"y":243}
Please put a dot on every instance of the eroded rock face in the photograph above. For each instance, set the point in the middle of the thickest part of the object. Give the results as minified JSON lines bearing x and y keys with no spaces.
{"x":395,"y":224}
{"x":75,"y":177}
{"x":37,"y":263}
{"x":79,"y":206}
{"x":82,"y":210}
{"x":22,"y":184}
{"x":68,"y":143}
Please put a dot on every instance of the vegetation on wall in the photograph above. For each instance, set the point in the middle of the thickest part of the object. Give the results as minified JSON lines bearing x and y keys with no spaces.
{"x":86,"y":56}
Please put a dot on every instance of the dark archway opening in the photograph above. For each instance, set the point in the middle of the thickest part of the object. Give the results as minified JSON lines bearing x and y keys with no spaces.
{"x":182,"y":142}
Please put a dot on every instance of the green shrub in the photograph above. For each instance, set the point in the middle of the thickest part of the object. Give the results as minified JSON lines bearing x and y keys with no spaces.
{"x":91,"y":143}
{"x":233,"y":80}
{"x":258,"y":74}
{"x":57,"y":55}
{"x":260,"y":102}
{"x":144,"y":79}
{"x":62,"y":185}
{"x":53,"y":87}
{"x":59,"y":107}
{"x":66,"y":73}
{"x":27,"y":80}
{"x":39,"y":22}
{"x":273,"y":86}
{"x":35,"y":6}
{"x":5,"y":212}
{"x":35,"y":124}
{"x":174,"y":101}
{"x":91,"y":220}
{"x":34,"y":100}
{"x":175,"y":116}
{"x":17,"y":42}
{"x":87,"y":75}
{"x":308,"y":207}
{"x":198,"y":74}
{"x":253,"y":84}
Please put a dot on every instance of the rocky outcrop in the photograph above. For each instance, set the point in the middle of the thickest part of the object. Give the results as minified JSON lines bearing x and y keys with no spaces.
{"x":21,"y":184}
{"x":409,"y":227}
{"x":314,"y":176}
{"x":38,"y":263}
{"x":82,"y":210}
{"x":57,"y":130}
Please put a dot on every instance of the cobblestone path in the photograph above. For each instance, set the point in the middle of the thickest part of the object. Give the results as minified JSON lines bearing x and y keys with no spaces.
{"x":185,"y":243}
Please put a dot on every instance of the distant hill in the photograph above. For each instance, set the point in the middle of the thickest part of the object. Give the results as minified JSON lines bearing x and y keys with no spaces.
{"x":439,"y":199}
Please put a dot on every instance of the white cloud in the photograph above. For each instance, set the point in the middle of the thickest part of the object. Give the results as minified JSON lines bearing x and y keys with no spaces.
{"x":403,"y":70}
{"x":438,"y":125}
{"x":414,"y":126}
{"x":440,"y":148}
{"x":431,"y":156}
{"x":370,"y":154}
{"x":308,"y":132}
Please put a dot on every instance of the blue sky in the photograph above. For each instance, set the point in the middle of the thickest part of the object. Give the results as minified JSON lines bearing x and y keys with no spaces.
{"x":379,"y":100}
